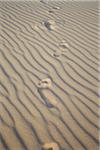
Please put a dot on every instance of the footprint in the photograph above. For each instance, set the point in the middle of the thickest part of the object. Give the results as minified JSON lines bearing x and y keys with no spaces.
{"x":50,"y":24}
{"x":57,"y":54}
{"x":63,"y":44}
{"x":48,"y":97}
{"x":50,"y":146}
{"x":45,"y":83}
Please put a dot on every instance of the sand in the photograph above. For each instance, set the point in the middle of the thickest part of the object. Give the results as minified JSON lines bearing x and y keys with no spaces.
{"x":49,"y":75}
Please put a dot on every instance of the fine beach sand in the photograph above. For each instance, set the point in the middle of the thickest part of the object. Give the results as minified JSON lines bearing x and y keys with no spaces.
{"x":49,"y":75}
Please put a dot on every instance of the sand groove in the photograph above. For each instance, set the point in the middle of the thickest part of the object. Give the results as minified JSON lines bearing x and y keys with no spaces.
{"x":49,"y":75}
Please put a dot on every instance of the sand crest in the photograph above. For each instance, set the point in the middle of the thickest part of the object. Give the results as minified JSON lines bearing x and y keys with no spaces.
{"x":49,"y":75}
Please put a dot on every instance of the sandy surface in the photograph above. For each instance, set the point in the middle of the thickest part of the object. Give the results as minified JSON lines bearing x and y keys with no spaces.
{"x":49,"y":75}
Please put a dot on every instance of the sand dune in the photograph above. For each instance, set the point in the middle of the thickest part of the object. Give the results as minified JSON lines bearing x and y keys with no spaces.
{"x":49,"y":75}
